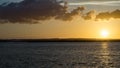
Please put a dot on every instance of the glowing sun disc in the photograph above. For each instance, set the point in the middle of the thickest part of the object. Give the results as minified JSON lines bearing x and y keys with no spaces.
{"x":104,"y":33}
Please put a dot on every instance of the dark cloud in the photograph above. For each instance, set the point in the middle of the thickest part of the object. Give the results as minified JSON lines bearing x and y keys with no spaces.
{"x":107,"y":15}
{"x":89,"y":15}
{"x":68,"y":16}
{"x":30,"y":11}
{"x":33,"y":11}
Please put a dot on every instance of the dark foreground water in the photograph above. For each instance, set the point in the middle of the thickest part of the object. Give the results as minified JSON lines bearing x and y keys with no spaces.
{"x":60,"y":55}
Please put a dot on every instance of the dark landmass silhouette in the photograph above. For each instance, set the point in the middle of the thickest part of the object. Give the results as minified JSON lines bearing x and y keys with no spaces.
{"x":61,"y":40}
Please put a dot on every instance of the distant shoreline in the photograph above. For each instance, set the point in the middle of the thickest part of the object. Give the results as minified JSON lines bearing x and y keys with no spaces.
{"x":60,"y":40}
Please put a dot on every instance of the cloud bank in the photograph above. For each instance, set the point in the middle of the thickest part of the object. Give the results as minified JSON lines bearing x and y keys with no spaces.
{"x":101,"y":3}
{"x":30,"y":11}
{"x":33,"y":11}
{"x":107,"y":15}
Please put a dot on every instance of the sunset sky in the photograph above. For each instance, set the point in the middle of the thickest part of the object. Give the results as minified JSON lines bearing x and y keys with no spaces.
{"x":35,"y":19}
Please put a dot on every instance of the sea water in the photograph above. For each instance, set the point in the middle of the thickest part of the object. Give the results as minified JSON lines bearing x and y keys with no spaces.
{"x":59,"y":54}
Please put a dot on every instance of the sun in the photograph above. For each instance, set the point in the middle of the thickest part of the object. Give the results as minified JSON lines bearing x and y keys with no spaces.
{"x":104,"y":33}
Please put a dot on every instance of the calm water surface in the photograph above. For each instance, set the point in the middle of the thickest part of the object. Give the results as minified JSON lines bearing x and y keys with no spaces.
{"x":60,"y":55}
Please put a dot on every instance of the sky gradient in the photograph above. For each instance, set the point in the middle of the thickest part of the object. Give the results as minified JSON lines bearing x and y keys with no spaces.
{"x":44,"y":19}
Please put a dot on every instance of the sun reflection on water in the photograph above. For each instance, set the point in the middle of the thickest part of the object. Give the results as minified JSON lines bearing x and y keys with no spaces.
{"x":105,"y":55}
{"x":105,"y":45}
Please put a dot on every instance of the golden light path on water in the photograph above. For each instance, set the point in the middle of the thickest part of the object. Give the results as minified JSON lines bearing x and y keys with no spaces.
{"x":105,"y":55}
